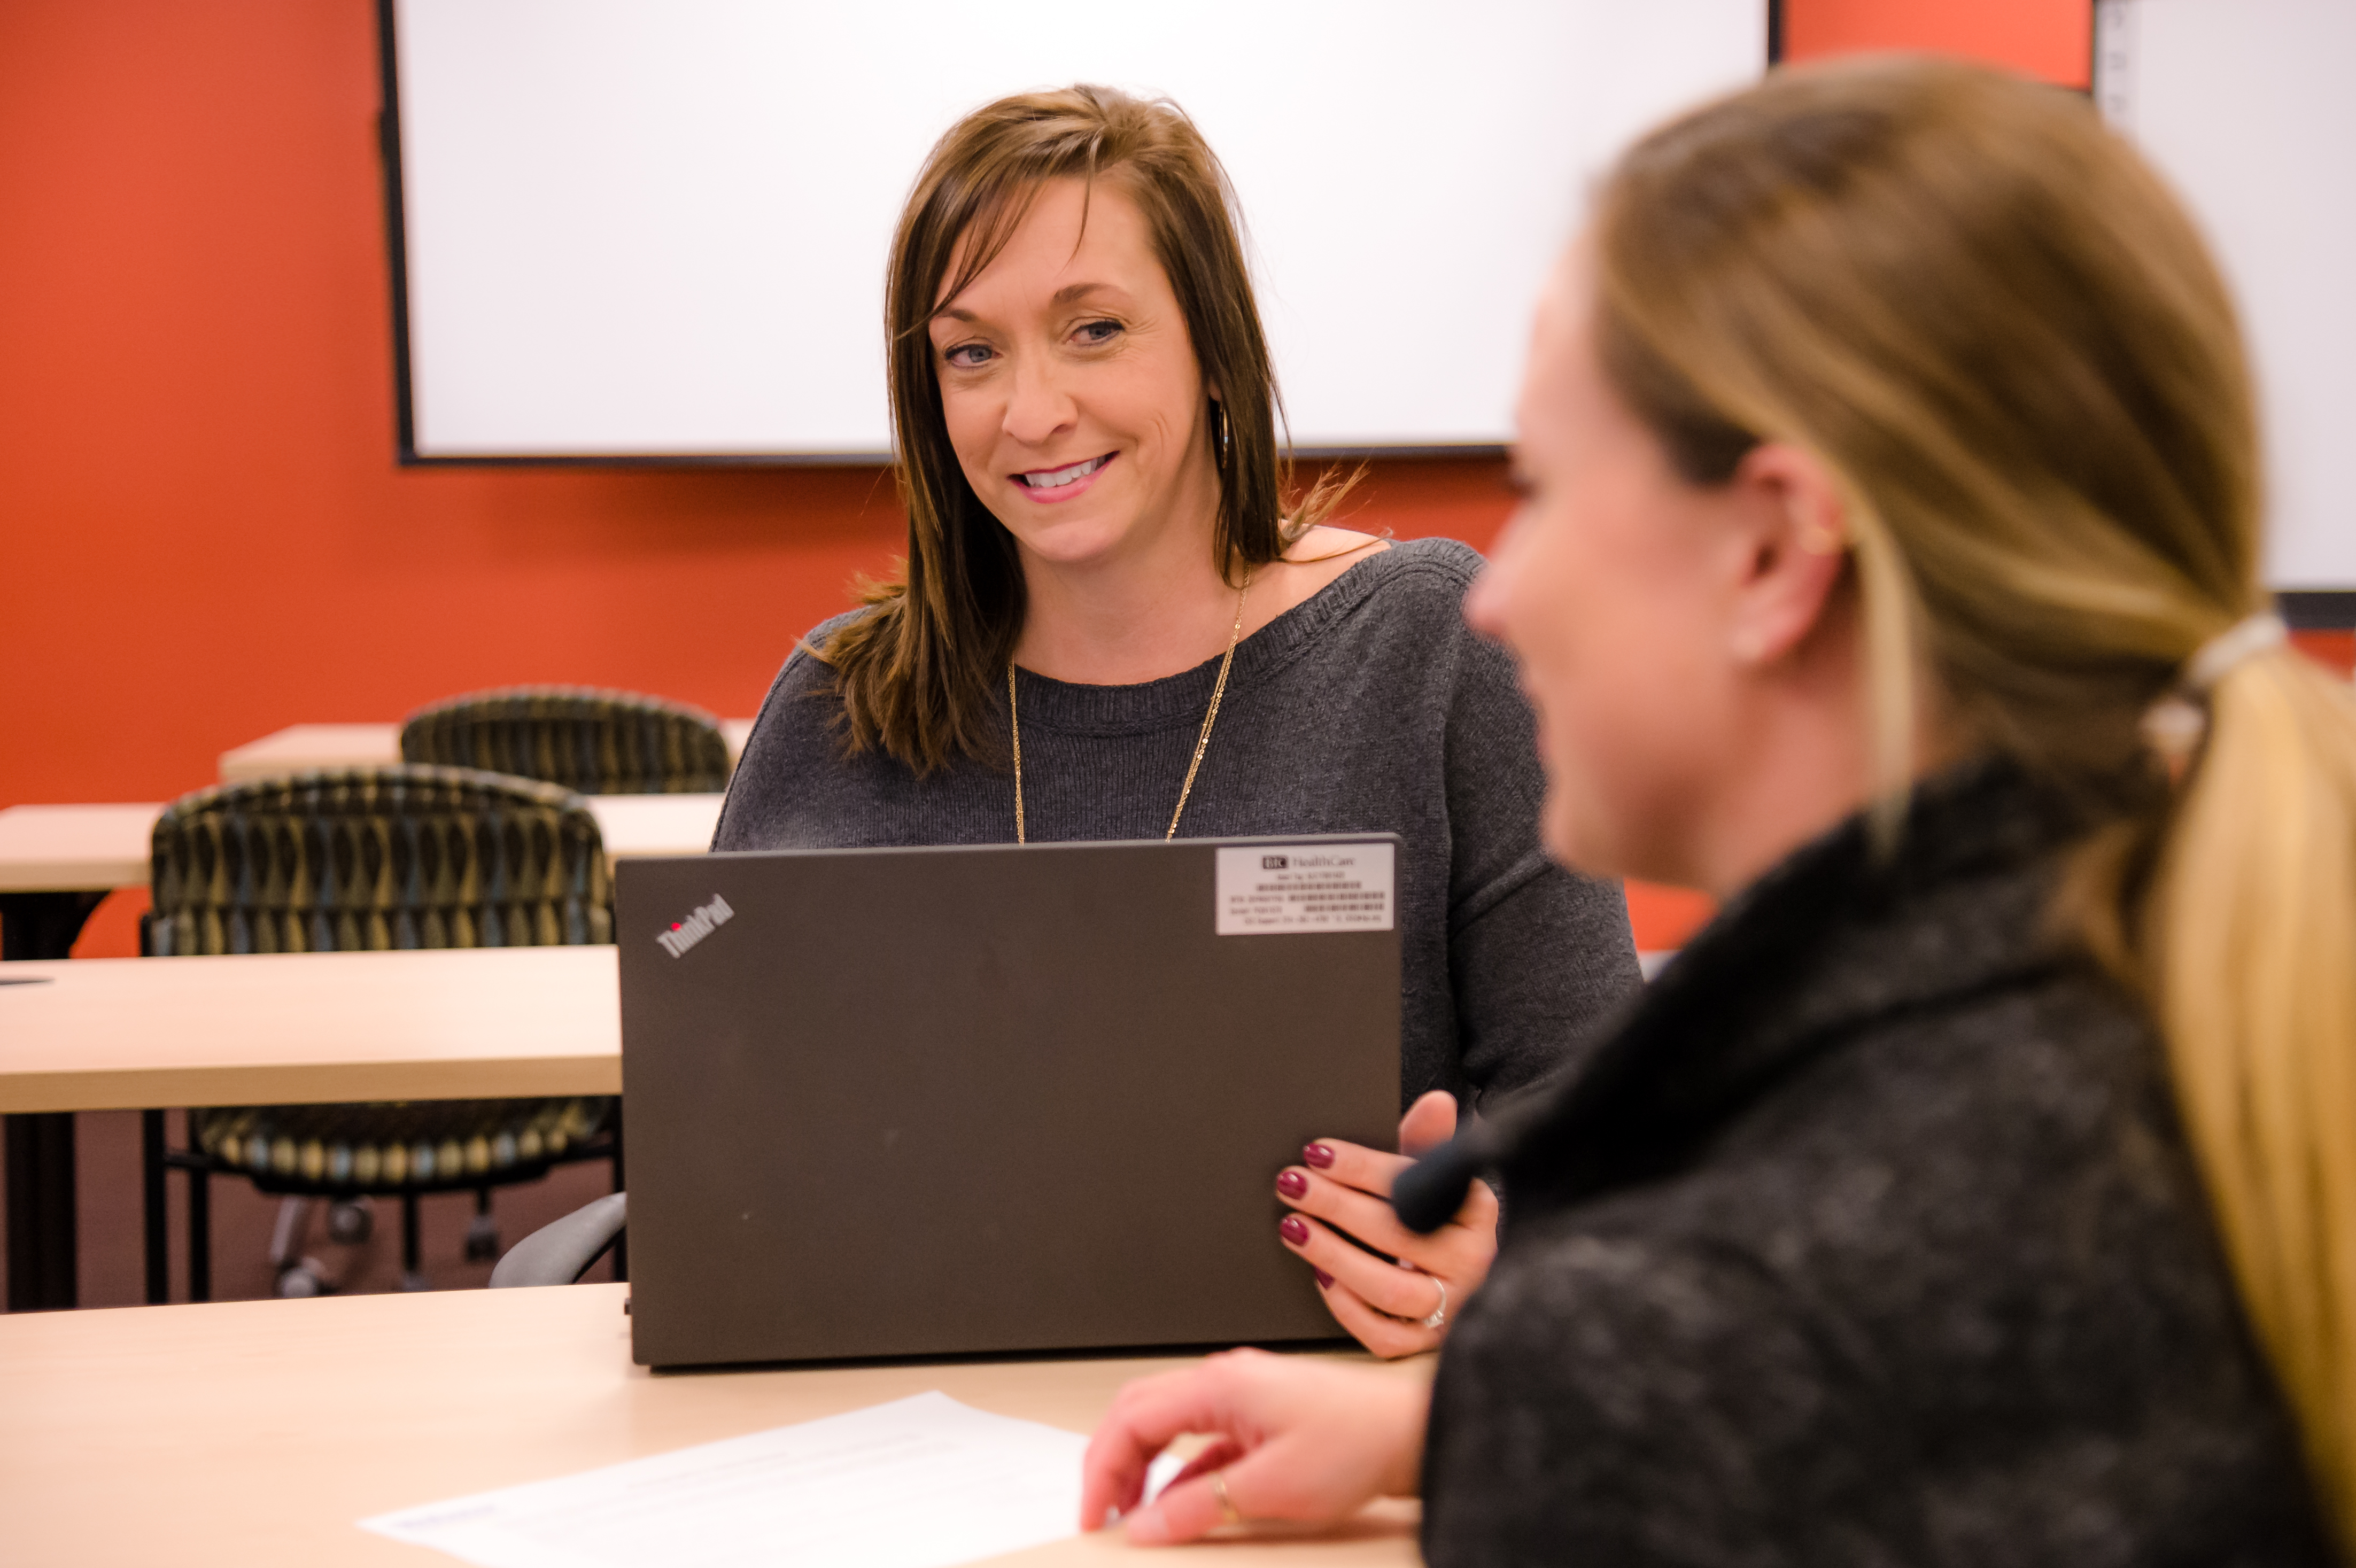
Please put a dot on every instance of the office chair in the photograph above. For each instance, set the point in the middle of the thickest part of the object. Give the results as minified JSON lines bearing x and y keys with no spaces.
{"x":372,"y":858}
{"x":599,"y":743}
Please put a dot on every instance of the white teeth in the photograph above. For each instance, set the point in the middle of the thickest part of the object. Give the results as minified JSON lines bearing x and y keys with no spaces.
{"x":1056,"y":478}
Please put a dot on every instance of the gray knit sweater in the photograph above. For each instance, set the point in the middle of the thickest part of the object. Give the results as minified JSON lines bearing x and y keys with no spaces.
{"x":1871,"y":1239}
{"x":1370,"y":708}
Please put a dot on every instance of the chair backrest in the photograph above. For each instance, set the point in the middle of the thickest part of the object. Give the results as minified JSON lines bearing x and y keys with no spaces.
{"x":600,"y":742}
{"x":354,"y":859}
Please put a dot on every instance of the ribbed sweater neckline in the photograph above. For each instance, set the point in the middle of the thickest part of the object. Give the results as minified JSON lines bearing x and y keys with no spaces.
{"x":1181,"y":699}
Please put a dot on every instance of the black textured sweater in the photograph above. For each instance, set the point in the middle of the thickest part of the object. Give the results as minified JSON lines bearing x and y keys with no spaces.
{"x":1369,"y":708}
{"x":1870,"y":1238}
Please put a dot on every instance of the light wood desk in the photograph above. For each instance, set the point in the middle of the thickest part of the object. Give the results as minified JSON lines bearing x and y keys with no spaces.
{"x":57,"y":847}
{"x":300,"y":746}
{"x":97,"y":1034}
{"x":260,"y":1432}
{"x":109,"y":1038}
{"x":312,"y":1028}
{"x":50,"y":848}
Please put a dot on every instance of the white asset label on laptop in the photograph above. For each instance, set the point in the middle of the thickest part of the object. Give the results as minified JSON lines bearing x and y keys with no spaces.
{"x":1268,"y":889}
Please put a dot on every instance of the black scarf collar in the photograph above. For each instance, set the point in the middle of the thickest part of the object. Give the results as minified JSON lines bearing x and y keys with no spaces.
{"x":1836,"y":936}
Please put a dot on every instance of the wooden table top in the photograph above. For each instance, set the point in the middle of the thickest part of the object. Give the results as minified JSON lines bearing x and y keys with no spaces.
{"x":91,"y":847}
{"x":299,"y":1028}
{"x":44,"y":848}
{"x":262,"y":1431}
{"x":300,"y":746}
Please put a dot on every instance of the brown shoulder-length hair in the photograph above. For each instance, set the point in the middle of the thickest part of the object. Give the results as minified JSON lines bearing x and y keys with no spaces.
{"x":919,"y":673}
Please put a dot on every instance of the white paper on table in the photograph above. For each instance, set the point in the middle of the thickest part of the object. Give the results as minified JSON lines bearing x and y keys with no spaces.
{"x":919,"y":1483}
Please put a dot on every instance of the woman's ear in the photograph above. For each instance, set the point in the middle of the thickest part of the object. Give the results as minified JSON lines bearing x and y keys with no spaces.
{"x":1795,"y":543}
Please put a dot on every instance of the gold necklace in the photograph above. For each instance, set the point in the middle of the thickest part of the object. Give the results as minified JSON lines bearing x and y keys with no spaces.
{"x":1202,"y":742}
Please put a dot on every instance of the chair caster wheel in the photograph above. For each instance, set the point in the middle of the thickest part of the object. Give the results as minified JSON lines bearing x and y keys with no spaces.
{"x":409,"y":1281}
{"x":482,"y":1240}
{"x":297,"y":1280}
{"x":351,"y":1223}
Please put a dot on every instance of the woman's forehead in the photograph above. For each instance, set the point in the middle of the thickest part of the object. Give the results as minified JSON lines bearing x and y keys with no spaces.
{"x":1065,"y":234}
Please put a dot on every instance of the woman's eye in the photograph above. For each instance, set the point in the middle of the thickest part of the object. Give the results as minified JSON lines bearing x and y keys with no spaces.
{"x":1097,"y":332}
{"x":969,"y":356}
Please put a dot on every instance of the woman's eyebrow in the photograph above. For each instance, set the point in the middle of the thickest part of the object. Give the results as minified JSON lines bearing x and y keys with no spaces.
{"x":1069,"y":293}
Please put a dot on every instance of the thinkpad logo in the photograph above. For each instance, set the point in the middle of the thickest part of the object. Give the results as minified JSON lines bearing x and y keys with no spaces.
{"x":685,"y":934}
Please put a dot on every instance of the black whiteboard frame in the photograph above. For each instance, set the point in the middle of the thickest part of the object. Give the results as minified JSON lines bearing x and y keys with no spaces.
{"x":404,"y":384}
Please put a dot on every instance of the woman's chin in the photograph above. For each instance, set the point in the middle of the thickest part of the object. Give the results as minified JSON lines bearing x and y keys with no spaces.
{"x":1581,"y":845}
{"x":1076,"y":541}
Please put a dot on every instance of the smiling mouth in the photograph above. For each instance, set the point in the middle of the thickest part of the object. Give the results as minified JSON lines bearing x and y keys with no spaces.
{"x":1056,"y":478}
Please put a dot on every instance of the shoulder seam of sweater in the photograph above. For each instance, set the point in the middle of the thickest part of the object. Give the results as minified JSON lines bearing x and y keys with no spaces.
{"x":1484,"y":900}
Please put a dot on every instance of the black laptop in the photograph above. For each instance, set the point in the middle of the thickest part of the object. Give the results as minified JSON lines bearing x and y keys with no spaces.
{"x":967,"y":1100}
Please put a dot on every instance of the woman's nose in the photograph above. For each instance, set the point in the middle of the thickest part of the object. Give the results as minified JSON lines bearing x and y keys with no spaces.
{"x":1487,"y":602}
{"x":1039,"y":409}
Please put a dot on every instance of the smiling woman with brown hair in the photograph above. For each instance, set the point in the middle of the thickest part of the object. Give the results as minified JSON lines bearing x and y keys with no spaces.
{"x":1115,"y":621}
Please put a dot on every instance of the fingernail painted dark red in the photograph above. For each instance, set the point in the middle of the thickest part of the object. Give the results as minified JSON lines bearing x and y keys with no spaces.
{"x":1324,"y":1280}
{"x":1292,"y":1183}
{"x":1294,"y":1230}
{"x":1318,"y":1156}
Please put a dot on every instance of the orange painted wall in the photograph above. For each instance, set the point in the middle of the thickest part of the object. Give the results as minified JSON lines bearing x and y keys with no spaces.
{"x":203,"y":535}
{"x":2053,"y":39}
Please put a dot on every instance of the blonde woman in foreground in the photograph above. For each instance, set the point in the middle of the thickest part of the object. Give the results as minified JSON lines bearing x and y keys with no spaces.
{"x":1982,"y":1185}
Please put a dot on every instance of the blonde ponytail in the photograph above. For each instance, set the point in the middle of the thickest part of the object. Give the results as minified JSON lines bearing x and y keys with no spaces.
{"x":1995,"y":323}
{"x":2248,"y":931}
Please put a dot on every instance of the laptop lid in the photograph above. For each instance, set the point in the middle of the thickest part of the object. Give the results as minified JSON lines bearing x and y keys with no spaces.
{"x":958,"y":1100}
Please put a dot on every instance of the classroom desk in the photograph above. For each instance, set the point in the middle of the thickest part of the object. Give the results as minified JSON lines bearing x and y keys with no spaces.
{"x":104,"y":1034}
{"x":56,"y":863}
{"x":300,"y":746}
{"x":96,"y":1034}
{"x":261,"y":1430}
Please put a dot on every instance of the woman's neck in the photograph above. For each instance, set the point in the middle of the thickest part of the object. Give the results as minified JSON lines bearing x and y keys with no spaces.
{"x":1152,"y":609}
{"x":1801,"y":759}
{"x":1162,"y":611}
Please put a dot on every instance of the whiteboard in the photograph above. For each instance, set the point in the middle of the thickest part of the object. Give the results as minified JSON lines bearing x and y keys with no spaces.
{"x":2247,"y":106}
{"x":658,"y":227}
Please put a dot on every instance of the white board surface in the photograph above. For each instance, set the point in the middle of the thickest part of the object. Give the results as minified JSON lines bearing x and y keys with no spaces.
{"x":2249,"y":108}
{"x":650,"y":228}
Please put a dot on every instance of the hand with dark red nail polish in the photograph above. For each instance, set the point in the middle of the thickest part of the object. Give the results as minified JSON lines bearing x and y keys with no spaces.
{"x":1345,"y":1191}
{"x":1324,"y":1280}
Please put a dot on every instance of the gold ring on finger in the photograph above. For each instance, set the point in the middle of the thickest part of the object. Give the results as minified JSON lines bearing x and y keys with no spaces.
{"x":1228,"y":1514}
